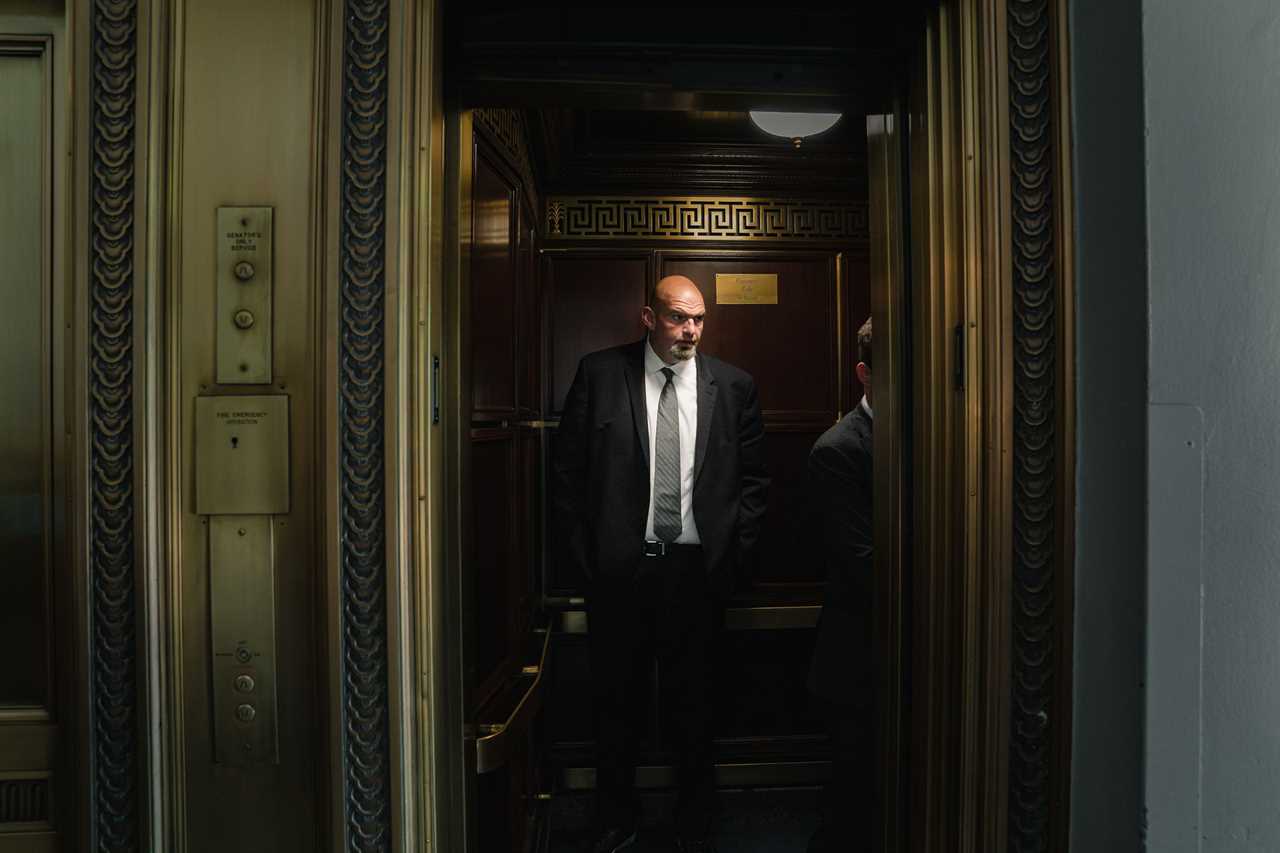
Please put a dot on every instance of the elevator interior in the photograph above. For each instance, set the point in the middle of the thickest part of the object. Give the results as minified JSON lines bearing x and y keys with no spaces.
{"x":583,"y":178}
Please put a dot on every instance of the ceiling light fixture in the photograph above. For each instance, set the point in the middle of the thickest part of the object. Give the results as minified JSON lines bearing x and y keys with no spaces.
{"x":793,"y":126}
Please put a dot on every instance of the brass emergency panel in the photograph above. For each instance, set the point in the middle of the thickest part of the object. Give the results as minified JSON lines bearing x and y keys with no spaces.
{"x":244,"y":279}
{"x":242,"y":601}
{"x":242,"y":455}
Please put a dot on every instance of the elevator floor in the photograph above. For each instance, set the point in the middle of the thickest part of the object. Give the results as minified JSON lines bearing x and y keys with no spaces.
{"x":759,"y":820}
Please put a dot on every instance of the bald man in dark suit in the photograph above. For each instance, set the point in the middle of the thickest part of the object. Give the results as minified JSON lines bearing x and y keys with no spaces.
{"x":660,"y":489}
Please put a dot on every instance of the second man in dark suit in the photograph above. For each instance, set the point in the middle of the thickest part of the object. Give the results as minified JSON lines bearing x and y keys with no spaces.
{"x":660,"y":489}
{"x":843,"y":675}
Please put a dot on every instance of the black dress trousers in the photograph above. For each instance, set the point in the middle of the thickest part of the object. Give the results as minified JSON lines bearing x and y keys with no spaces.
{"x":668,"y":612}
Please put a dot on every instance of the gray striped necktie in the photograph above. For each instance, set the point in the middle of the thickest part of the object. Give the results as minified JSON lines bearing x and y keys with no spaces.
{"x":666,"y":466}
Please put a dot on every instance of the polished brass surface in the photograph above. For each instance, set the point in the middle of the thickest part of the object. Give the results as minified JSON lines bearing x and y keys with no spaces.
{"x":436,"y":756}
{"x":242,"y":455}
{"x":890,"y":392}
{"x":746,"y":289}
{"x":238,"y":99}
{"x":242,"y":617}
{"x":25,"y":414}
{"x":493,"y":748}
{"x":244,"y":280}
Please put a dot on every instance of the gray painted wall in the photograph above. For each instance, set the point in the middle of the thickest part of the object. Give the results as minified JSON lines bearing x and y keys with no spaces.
{"x":1204,"y":622}
{"x":1212,"y":72}
{"x":1111,"y":374}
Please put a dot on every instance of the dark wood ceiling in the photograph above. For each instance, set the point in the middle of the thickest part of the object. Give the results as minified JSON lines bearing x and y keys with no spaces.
{"x":653,"y":98}
{"x":585,"y":151}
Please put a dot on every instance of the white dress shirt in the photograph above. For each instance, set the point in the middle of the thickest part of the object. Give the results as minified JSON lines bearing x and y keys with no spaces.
{"x":686,"y":388}
{"x":866,"y":407}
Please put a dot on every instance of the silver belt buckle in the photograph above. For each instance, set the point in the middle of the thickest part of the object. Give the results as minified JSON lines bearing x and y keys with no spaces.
{"x":661,"y":546}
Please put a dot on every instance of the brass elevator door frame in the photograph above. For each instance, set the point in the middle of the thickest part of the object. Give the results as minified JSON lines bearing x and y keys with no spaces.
{"x":944,"y":493}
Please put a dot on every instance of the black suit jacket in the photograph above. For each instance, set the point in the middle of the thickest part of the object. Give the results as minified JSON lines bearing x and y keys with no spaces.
{"x":601,"y":466}
{"x":840,"y":476}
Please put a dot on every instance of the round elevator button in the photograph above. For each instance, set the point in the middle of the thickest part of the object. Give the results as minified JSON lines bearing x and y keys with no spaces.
{"x":243,"y":318}
{"x":243,"y":655}
{"x":244,"y":270}
{"x":245,"y":683}
{"x":245,"y":713}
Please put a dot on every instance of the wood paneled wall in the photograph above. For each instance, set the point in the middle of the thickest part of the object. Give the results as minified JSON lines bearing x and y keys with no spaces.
{"x":505,"y":393}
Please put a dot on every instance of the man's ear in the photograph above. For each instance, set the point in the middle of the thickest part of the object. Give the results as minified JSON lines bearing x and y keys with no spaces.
{"x":864,"y":374}
{"x":648,"y":318}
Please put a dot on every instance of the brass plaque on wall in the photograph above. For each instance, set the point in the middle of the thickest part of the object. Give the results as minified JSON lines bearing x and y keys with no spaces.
{"x":746,"y":289}
{"x":242,"y":455}
{"x":244,"y":279}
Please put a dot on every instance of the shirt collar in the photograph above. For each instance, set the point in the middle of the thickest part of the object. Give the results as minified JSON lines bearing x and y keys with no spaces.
{"x":866,"y":407}
{"x":653,"y":364}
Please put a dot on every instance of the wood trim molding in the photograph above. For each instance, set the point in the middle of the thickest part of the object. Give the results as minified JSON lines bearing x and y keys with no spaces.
{"x":509,"y":133}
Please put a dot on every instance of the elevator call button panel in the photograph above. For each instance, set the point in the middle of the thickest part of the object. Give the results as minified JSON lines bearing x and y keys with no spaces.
{"x":244,"y":295}
{"x":243,"y":639}
{"x":242,"y":455}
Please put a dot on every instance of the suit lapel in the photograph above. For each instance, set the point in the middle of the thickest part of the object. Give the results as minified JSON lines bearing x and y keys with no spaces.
{"x":635,"y":388}
{"x":706,"y":410}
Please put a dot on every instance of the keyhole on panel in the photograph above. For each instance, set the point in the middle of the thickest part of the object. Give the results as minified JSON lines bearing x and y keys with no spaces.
{"x":235,"y":442}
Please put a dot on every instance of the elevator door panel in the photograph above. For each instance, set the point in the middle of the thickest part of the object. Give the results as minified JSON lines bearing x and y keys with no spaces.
{"x":37,"y":624}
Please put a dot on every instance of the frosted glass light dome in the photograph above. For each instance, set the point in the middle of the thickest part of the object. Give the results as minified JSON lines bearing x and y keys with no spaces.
{"x":793,"y":126}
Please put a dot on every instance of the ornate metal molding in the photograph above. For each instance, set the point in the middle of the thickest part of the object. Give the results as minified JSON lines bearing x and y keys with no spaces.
{"x":112,"y":145}
{"x":365,"y":713}
{"x":1036,"y":664}
{"x":708,"y":218}
{"x":508,"y":129}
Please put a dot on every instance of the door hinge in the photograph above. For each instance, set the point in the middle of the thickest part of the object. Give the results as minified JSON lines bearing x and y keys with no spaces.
{"x":959,"y":357}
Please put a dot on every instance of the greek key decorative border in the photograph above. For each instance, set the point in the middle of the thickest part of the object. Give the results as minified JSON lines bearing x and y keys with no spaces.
{"x":507,"y":128}
{"x":361,"y":351}
{"x":709,"y":218}
{"x":114,"y":695}
{"x":1036,"y":659}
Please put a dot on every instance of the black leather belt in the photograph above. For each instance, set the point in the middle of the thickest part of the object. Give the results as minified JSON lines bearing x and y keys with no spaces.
{"x":669,"y":549}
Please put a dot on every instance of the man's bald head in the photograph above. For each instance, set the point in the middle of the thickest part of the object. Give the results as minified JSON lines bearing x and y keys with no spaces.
{"x":674,"y":318}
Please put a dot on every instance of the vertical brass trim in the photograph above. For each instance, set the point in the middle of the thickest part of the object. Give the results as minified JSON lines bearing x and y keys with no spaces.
{"x":843,"y":404}
{"x":401,"y":207}
{"x":938,"y":272}
{"x":157,"y":457}
{"x":112,"y":59}
{"x":428,"y":454}
{"x":361,"y":425}
{"x":888,"y":284}
{"x":455,"y":829}
{"x":987,"y":331}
